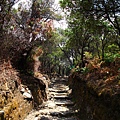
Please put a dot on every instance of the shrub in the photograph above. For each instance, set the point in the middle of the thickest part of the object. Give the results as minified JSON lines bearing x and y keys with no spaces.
{"x":110,"y":57}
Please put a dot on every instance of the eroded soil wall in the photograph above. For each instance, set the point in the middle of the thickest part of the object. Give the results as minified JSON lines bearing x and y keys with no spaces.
{"x":12,"y":101}
{"x":91,"y":105}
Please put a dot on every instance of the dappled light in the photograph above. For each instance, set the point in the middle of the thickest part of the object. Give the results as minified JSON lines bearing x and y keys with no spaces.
{"x":59,"y":60}
{"x":59,"y":105}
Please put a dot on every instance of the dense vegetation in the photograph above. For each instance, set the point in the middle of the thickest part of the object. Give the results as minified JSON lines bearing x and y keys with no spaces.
{"x":93,"y":28}
{"x":94,"y":43}
{"x":93,"y":31}
{"x":89,"y":45}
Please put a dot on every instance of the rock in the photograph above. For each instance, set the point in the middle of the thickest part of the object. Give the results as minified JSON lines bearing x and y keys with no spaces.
{"x":62,"y":114}
{"x":58,"y":106}
{"x":61,"y":97}
{"x":43,"y":78}
{"x":55,"y":114}
{"x":50,"y":104}
{"x":25,"y":92}
{"x":44,"y":118}
{"x":27,"y":95}
{"x":58,"y":91}
{"x":36,"y":118}
{"x":22,"y":88}
{"x":64,"y":103}
{"x":37,"y":88}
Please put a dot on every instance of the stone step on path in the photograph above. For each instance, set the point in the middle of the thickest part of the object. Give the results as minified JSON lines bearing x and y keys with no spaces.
{"x":59,"y":105}
{"x":55,"y":118}
{"x":61,"y":97}
{"x":57,"y":90}
{"x":62,"y":114}
{"x":64,"y":103}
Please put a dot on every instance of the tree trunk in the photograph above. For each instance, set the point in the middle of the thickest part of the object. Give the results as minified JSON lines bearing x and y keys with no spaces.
{"x":98,"y":52}
{"x":82,"y":57}
{"x":102,"y":53}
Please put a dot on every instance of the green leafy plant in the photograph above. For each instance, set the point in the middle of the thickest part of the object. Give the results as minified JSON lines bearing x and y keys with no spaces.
{"x":113,"y":48}
{"x":84,"y":70}
{"x":109,"y":57}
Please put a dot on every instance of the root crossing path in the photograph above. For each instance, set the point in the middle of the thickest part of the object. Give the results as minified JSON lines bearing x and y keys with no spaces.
{"x":59,"y":105}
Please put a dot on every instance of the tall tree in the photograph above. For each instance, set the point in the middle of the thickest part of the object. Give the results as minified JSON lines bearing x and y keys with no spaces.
{"x":23,"y":28}
{"x":91,"y":23}
{"x":100,"y":9}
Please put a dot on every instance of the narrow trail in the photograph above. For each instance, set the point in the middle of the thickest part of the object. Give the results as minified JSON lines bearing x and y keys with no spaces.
{"x":59,"y":105}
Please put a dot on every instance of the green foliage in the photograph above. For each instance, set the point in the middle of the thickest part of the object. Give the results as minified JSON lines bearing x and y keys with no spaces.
{"x":30,"y":72}
{"x":113,"y":48}
{"x":63,"y":3}
{"x":88,"y":55}
{"x":14,"y":11}
{"x":57,"y":17}
{"x":84,"y":70}
{"x":112,"y":52}
{"x":111,"y":57}
{"x":89,"y":33}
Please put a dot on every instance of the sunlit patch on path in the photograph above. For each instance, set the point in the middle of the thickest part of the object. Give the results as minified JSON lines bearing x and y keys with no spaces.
{"x":59,"y":105}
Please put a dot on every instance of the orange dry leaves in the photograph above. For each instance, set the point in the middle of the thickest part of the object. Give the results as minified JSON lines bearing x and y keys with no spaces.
{"x":7,"y":74}
{"x":103,"y":77}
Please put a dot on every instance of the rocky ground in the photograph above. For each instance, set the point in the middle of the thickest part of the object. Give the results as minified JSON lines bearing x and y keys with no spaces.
{"x":59,"y":105}
{"x":19,"y":93}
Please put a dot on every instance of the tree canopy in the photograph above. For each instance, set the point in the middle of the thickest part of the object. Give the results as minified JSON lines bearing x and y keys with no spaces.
{"x":22,"y":27}
{"x":107,"y":10}
{"x":93,"y":30}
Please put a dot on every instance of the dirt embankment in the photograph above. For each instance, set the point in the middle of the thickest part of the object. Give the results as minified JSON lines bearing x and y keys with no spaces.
{"x":19,"y":93}
{"x":97,"y":91}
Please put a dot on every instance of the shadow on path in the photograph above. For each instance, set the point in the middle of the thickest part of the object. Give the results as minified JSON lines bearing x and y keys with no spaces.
{"x":59,"y":105}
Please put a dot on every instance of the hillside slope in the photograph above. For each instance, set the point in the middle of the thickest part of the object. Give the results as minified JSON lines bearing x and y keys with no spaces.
{"x":96,"y":90}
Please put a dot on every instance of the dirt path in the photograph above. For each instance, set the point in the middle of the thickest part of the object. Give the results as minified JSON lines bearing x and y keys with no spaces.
{"x":59,"y":105}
